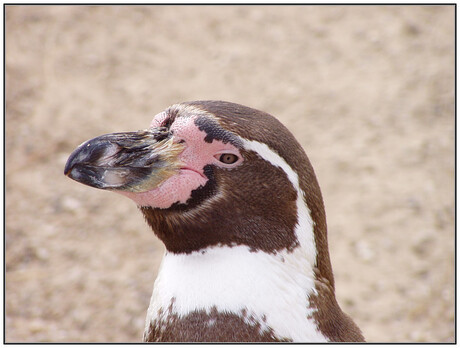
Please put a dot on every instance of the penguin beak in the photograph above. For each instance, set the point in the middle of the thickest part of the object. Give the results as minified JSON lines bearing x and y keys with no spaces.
{"x":132,"y":161}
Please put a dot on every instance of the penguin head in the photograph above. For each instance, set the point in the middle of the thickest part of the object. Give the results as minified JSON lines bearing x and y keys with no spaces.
{"x":210,"y":173}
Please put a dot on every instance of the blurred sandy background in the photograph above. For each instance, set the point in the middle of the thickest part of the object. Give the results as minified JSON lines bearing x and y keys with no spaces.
{"x":367,"y":90}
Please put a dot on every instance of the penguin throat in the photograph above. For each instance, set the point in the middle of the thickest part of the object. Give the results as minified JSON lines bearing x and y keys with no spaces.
{"x":185,"y":232}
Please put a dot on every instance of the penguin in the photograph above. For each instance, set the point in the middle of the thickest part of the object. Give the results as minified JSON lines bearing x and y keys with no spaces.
{"x":234,"y":199}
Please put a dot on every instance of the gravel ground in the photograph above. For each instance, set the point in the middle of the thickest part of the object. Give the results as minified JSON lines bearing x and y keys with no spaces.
{"x":367,"y":90}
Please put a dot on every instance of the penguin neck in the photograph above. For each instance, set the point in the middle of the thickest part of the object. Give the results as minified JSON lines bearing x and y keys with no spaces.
{"x":271,"y":288}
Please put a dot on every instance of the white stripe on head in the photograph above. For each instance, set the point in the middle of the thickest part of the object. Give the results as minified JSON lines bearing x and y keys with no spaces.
{"x":305,"y":224}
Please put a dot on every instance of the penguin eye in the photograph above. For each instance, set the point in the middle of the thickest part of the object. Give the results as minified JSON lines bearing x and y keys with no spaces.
{"x":228,"y":158}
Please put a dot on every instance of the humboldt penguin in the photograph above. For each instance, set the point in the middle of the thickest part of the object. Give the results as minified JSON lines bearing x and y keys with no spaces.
{"x":235,"y":200}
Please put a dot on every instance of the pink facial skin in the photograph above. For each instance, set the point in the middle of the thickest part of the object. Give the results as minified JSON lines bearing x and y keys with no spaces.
{"x":196,"y":155}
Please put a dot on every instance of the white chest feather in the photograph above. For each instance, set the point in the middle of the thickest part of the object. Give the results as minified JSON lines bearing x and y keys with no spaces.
{"x":233,"y":279}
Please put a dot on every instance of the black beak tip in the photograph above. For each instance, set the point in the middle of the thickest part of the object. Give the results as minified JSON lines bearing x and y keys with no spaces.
{"x":87,"y":152}
{"x":83,"y":164}
{"x":71,"y":161}
{"x":68,"y":168}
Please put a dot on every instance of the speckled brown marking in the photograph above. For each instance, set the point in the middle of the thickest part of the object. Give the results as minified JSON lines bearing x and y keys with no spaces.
{"x":215,"y":326}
